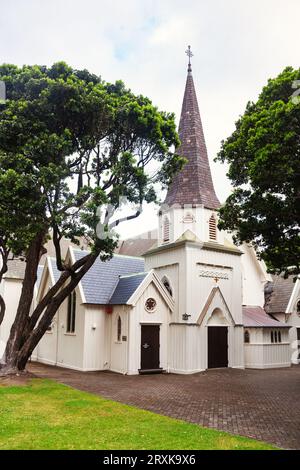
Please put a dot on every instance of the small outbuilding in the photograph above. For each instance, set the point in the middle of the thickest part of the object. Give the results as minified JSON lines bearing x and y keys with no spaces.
{"x":266,"y":340}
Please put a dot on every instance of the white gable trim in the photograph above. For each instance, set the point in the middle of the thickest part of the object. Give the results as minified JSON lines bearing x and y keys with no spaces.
{"x":260,"y":264}
{"x":215,"y":301}
{"x":151,"y":277}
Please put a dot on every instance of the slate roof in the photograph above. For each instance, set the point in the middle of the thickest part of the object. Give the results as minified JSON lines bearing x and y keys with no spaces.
{"x":193,"y":184}
{"x":256,"y":317}
{"x":126,"y":286}
{"x":278,"y":294}
{"x":100,"y":281}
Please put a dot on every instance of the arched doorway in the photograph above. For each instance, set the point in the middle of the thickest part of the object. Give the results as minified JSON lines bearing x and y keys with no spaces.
{"x":217,"y":340}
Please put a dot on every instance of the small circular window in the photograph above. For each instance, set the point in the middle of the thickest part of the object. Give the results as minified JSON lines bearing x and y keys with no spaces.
{"x":150,"y":305}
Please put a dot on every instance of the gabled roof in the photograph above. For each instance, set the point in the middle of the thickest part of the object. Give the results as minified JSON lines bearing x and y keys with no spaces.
{"x":256,"y":317}
{"x":193,"y":184}
{"x":278,"y":294}
{"x":126,"y":286}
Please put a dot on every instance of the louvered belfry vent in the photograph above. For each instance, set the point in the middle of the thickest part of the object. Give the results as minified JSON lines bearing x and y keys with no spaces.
{"x":212,"y":228}
{"x":193,"y":185}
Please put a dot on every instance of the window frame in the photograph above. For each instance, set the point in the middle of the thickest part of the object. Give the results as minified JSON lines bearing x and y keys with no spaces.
{"x":71,"y":314}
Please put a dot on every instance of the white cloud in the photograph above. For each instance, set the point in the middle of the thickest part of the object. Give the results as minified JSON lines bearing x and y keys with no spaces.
{"x":238,"y":45}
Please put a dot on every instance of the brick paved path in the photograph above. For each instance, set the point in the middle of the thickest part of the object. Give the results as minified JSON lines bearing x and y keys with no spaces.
{"x":263,"y":404}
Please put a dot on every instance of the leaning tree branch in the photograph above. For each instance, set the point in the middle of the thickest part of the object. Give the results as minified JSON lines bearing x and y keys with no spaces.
{"x":68,"y":272}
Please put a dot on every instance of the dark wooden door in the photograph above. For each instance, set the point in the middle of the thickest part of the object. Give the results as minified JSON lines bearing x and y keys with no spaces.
{"x":150,"y":347}
{"x":217,"y":346}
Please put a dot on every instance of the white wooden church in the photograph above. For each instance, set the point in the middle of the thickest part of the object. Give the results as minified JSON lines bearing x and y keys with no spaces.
{"x":182,"y":300}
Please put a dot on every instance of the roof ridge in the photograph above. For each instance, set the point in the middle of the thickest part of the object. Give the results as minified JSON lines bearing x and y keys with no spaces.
{"x":122,"y":276}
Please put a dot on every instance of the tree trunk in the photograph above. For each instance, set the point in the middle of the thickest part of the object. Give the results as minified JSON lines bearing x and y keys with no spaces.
{"x":25,"y":336}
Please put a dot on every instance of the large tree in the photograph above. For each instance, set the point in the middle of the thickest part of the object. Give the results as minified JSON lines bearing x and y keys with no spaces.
{"x":71,"y":146}
{"x":264,"y":167}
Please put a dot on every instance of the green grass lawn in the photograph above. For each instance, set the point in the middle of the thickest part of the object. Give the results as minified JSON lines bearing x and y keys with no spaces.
{"x":48,"y":415}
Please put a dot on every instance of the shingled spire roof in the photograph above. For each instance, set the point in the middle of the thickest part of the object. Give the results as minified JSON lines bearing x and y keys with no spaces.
{"x":193,"y":185}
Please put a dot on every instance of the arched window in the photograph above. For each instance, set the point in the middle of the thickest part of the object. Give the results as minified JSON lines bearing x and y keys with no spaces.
{"x":279,"y":336}
{"x":272,"y":337}
{"x":71,"y":315}
{"x":119,"y":329}
{"x":246,"y":337}
{"x":166,"y":229}
{"x":212,"y":227}
{"x":298,"y":307}
{"x":167,"y":285}
{"x":275,"y":337}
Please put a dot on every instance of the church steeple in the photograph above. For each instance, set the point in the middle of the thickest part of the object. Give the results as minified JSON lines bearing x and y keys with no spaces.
{"x":193,"y":185}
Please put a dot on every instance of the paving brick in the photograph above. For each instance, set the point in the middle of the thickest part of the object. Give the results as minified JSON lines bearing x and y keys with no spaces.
{"x":263,"y":404}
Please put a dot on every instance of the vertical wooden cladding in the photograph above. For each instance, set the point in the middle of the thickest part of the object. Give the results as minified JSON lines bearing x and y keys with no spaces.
{"x":212,"y":229}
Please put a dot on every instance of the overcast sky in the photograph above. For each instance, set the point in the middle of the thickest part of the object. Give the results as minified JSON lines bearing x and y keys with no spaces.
{"x":237,"y":46}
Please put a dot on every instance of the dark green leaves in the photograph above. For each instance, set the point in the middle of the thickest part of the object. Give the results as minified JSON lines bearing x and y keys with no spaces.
{"x":264,"y":159}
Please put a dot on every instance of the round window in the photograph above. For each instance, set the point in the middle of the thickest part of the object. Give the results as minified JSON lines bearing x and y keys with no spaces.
{"x":150,"y":304}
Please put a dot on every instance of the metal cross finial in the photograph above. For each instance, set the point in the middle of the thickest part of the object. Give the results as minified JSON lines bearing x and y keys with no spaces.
{"x":189,"y":54}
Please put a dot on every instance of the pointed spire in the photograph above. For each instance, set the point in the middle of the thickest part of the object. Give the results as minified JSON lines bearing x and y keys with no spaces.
{"x":193,"y":185}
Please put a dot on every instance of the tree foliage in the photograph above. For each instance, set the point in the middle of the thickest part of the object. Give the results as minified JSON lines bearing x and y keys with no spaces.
{"x":263,"y":154}
{"x":71,"y":146}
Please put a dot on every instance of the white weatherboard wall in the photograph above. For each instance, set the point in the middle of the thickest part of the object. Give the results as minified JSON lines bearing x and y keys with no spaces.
{"x":188,"y":344}
{"x":292,"y":318}
{"x":254,"y":278}
{"x":260,"y":353}
{"x":171,"y":263}
{"x":203,"y":265}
